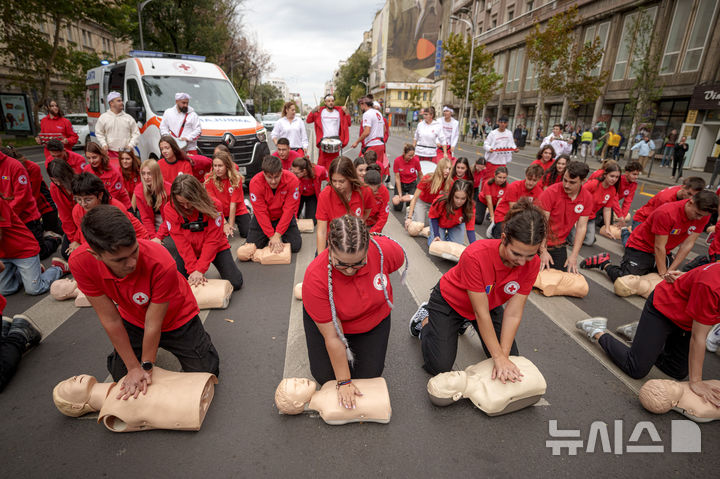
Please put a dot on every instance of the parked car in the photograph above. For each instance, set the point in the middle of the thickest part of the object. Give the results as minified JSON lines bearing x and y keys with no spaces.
{"x":269,"y":120}
{"x":79,"y":123}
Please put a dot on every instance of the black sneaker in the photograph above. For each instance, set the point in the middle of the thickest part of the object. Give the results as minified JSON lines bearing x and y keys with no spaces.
{"x":417,"y":319}
{"x":464,"y":327}
{"x":25,"y":327}
{"x":598,"y":261}
{"x":6,"y":323}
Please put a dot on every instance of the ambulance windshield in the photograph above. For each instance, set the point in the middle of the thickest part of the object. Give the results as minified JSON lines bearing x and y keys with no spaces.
{"x":208,"y":96}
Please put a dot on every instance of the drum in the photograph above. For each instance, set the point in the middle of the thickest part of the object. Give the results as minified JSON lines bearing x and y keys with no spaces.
{"x":330,"y":145}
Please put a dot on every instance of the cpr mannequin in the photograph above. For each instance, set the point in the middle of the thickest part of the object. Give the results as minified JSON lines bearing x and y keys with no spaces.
{"x":215,"y":294}
{"x":64,"y":288}
{"x":634,"y":284}
{"x":614,"y":229}
{"x":249,"y":251}
{"x":417,"y":228}
{"x":293,"y":394}
{"x":553,"y":282}
{"x":397,"y":199}
{"x":661,"y":395}
{"x":297,"y":291}
{"x":174,"y":400}
{"x":448,"y":250}
{"x":489,"y":395}
{"x":306,"y":226}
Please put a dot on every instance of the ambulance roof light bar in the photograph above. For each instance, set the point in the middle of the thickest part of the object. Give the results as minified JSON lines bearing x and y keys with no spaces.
{"x":179,"y":56}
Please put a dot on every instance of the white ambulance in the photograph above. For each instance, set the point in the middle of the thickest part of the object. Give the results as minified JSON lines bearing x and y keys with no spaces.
{"x":148,"y":82}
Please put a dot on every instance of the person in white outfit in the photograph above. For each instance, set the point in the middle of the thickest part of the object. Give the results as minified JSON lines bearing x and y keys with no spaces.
{"x":555,"y":139}
{"x":181,"y":122}
{"x":116,"y":130}
{"x":451,"y":128}
{"x":499,"y":147}
{"x":291,"y":127}
{"x":429,"y":136}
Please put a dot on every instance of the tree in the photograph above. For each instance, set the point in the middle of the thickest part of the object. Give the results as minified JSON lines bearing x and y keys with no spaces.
{"x":484,"y":81}
{"x":268,"y":98}
{"x":647,"y":88}
{"x":414,"y":98}
{"x":351,"y":75}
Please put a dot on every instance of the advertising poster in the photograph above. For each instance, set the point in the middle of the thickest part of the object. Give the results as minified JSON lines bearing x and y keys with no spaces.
{"x":15,"y":113}
{"x":414,"y":26}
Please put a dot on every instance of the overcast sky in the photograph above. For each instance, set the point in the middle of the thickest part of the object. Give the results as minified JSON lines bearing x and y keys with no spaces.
{"x":307,"y":39}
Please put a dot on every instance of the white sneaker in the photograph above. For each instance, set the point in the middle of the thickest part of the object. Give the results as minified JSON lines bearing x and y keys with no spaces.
{"x":712,"y":343}
{"x":628,"y":330}
{"x":592,"y":326}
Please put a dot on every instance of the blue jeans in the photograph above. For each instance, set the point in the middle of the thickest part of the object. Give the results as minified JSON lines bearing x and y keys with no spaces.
{"x":625,"y":234}
{"x":667,"y":155}
{"x":456,"y":234}
{"x":27,"y":271}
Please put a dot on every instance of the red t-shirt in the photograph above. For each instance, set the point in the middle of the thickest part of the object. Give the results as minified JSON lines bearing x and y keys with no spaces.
{"x":564,"y":212}
{"x":170,"y":171}
{"x":77,"y":162}
{"x":17,"y":242}
{"x":310,"y":187}
{"x":596,"y":174}
{"x":287,"y":164}
{"x":513,"y":193}
{"x":715,"y":245}
{"x":425,"y":194}
{"x":155,"y":280}
{"x":438,"y":211}
{"x":229,"y":194}
{"x":147,"y":214}
{"x":665,"y":196}
{"x":78,"y":213}
{"x":602,"y":197}
{"x":201,"y":166}
{"x":65,"y":204}
{"x":493,"y":190}
{"x":408,"y":169}
{"x":131,"y":184}
{"x":269,"y":205}
{"x":330,"y":206}
{"x":545,"y":165}
{"x":197,"y":248}
{"x":481,"y":270}
{"x":480,"y":176}
{"x":380,"y":210}
{"x":670,"y":220}
{"x":359,"y":300}
{"x":694,"y":296}
{"x":626,"y":194}
{"x":113,"y":181}
{"x":16,"y":189}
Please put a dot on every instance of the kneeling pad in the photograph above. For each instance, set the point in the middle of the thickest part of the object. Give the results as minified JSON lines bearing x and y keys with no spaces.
{"x":246,"y":251}
{"x":81,"y":300}
{"x":448,"y":250}
{"x":265,"y":256}
{"x":306,"y":226}
{"x":215,"y":294}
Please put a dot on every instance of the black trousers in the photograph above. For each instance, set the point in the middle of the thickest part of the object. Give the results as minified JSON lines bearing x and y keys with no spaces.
{"x":634,"y":262}
{"x":700,"y":261}
{"x":405,"y":189}
{"x":224,"y":262}
{"x":11,"y":350}
{"x":658,"y":341}
{"x":51,"y":222}
{"x":480,"y":210}
{"x":243,"y":224}
{"x":559,"y":256}
{"x":310,"y":204}
{"x":497,"y":230}
{"x":190,"y":343}
{"x":368,"y":348}
{"x":258,"y":238}
{"x":48,"y":245}
{"x":440,"y":335}
{"x":678,"y":166}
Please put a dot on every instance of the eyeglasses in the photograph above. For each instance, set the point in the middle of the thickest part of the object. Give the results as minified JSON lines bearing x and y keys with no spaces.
{"x":340,"y":265}
{"x":85,"y":200}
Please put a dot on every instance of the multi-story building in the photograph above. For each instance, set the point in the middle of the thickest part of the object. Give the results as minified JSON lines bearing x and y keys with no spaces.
{"x":686,"y":35}
{"x":282,"y":86}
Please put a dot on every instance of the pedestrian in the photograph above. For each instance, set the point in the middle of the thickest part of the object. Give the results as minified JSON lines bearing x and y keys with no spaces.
{"x":474,"y":129}
{"x":428,"y":189}
{"x":311,"y":178}
{"x":679,"y":151}
{"x":61,"y":178}
{"x":182,"y":123}
{"x":621,"y":143}
{"x":490,"y":274}
{"x":676,"y":319}
{"x":430,"y":137}
{"x":670,"y":141}
{"x":576,"y":142}
{"x":527,"y":188}
{"x":151,"y":196}
{"x":130,"y":171}
{"x":566,"y":205}
{"x":452,"y":215}
{"x":196,"y":226}
{"x":18,"y":337}
{"x":604,"y":191}
{"x":451,"y":131}
{"x":499,"y":146}
{"x":274,"y":196}
{"x":380,"y":211}
{"x":490,"y":193}
{"x":115,"y":129}
{"x":560,"y":145}
{"x":330,"y":122}
{"x":646,"y":148}
{"x":54,"y":126}
{"x":346,"y":194}
{"x":99,"y":165}
{"x":556,"y":172}
{"x":347,"y":339}
{"x":545,"y":157}
{"x":56,"y":151}
{"x":286,"y":155}
{"x":141,"y":300}
{"x":408,"y":174}
{"x":292,"y":127}
{"x":586,"y":139}
{"x":596,"y":135}
{"x":225,"y":184}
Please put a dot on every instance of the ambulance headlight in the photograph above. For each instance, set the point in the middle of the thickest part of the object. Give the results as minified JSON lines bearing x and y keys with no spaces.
{"x":262,"y":135}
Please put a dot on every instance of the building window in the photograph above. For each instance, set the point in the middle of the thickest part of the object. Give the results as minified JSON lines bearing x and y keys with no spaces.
{"x":69,"y":33}
{"x":87,"y":38}
{"x":624,"y":56}
{"x":511,"y":15}
{"x":499,"y":65}
{"x":493,"y":21}
{"x":531,"y":78}
{"x":671,"y":115}
{"x":600,"y":31}
{"x":399,"y":95}
{"x":424,"y":96}
{"x":673,"y":47}
{"x":530,"y":5}
{"x":517,"y":57}
{"x":699,"y":34}
{"x":405,"y":95}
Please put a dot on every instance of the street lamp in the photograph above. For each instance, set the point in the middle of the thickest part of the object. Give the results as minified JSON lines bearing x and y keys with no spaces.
{"x":141,"y":5}
{"x":472,"y":52}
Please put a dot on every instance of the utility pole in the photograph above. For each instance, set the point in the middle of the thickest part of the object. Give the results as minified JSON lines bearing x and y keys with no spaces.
{"x":471,"y":24}
{"x":141,"y":5}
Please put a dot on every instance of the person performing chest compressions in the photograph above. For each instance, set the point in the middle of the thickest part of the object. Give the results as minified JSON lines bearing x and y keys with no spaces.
{"x":490,"y":273}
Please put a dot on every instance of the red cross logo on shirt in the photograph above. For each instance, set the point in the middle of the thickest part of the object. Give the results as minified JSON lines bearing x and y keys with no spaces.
{"x":512,"y":287}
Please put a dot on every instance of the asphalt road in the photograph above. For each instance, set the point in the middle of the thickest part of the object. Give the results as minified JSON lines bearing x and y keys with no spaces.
{"x":244,"y":436}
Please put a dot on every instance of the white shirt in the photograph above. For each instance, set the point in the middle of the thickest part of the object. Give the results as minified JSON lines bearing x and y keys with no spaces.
{"x":499,"y":140}
{"x":374,"y":120}
{"x":116,"y":131}
{"x":560,"y":146}
{"x":452,"y":131}
{"x":330,"y":122}
{"x":172,"y":121}
{"x":294,"y":131}
{"x":428,"y":137}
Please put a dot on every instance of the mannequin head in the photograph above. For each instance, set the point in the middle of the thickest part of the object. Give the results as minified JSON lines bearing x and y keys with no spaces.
{"x":446,"y":388}
{"x":660,"y":395}
{"x":633,"y":284}
{"x":64,"y":288}
{"x":72,"y":395}
{"x":292,"y":394}
{"x":415,"y":228}
{"x":297,"y":291}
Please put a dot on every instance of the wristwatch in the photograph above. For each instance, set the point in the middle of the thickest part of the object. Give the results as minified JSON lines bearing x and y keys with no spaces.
{"x":146,"y":365}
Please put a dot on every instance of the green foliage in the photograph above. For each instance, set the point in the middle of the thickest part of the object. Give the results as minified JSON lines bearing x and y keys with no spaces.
{"x":415,"y":98}
{"x":267,"y":98}
{"x":348,"y":82}
{"x":484,"y":82}
{"x":647,"y":88}
{"x":580,"y":85}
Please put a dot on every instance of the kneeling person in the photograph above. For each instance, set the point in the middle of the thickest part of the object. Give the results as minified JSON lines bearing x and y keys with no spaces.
{"x":141,"y":299}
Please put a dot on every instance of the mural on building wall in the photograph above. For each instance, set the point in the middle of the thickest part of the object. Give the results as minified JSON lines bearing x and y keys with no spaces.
{"x":413,"y":30}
